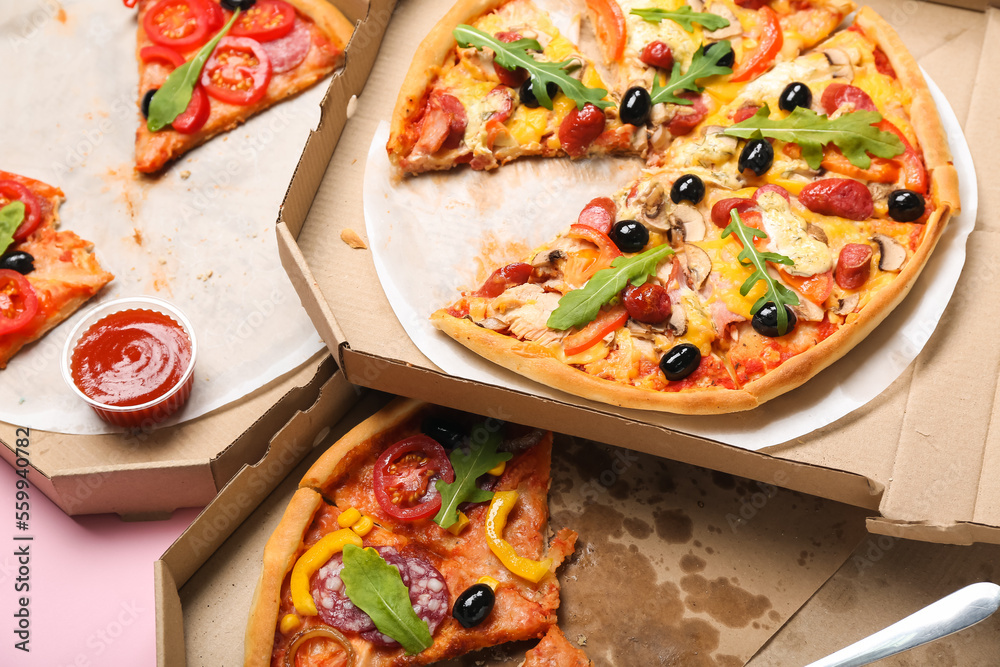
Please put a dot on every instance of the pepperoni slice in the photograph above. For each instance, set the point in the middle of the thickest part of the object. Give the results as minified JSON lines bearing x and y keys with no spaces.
{"x":837,"y":95}
{"x":580,"y":129}
{"x":288,"y":52}
{"x":853,"y":265}
{"x":842,"y":197}
{"x":599,"y":214}
{"x":688,"y":117}
{"x":428,"y":595}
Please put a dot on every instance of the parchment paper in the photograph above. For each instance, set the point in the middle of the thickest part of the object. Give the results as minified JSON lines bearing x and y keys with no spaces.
{"x":200,"y":235}
{"x":435,"y":235}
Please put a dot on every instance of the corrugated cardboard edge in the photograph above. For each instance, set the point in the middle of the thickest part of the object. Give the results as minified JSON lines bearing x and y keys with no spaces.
{"x":233,"y":505}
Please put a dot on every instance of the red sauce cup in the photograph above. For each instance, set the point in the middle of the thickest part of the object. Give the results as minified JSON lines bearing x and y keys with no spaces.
{"x":145,"y":415}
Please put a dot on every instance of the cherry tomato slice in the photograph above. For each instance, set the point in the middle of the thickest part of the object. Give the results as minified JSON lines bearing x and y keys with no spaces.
{"x":237,"y":72}
{"x":609,"y":22}
{"x":196,"y":115}
{"x":404,"y":478}
{"x":164,"y":54}
{"x":14,"y":191}
{"x":265,"y":21}
{"x":179,"y":24}
{"x":606,"y":322}
{"x":216,"y":18}
{"x":914,"y":172}
{"x":18,"y":302}
{"x":769,"y":44}
{"x":815,"y":288}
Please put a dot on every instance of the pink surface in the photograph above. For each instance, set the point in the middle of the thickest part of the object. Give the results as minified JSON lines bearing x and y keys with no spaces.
{"x":91,"y":597}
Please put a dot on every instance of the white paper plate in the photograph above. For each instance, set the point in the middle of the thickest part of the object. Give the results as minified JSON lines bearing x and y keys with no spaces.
{"x":429,"y":234}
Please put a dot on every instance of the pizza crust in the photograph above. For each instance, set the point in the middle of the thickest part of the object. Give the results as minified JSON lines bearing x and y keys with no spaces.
{"x":279,"y":558}
{"x":328,"y":18}
{"x":426,"y":66}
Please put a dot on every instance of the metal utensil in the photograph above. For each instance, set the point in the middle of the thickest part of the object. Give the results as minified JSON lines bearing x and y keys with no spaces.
{"x":962,"y":609}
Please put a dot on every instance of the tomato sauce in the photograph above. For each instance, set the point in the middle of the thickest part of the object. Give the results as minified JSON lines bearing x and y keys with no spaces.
{"x":131,"y":357}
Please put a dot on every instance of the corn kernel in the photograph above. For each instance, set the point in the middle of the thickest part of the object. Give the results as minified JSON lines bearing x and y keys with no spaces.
{"x":290,"y":623}
{"x":489,"y":581}
{"x":349,"y":518}
{"x":498,"y":469}
{"x":363,"y":526}
{"x":459,"y":525}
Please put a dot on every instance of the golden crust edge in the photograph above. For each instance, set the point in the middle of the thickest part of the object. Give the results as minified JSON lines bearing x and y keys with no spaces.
{"x":324,"y":470}
{"x":279,"y":557}
{"x":535,"y":362}
{"x":426,"y":66}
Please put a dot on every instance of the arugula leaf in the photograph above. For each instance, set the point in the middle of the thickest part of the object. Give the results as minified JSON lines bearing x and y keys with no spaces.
{"x":701,"y":67}
{"x":376,"y":588}
{"x":469,"y":467}
{"x":515,"y":54}
{"x":581,"y":306}
{"x":751,"y":256}
{"x":174,"y":95}
{"x":11,"y":217}
{"x":853,"y":133}
{"x":683,"y":16}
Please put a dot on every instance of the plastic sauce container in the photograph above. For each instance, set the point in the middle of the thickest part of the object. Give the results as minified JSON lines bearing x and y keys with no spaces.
{"x":132,"y":360}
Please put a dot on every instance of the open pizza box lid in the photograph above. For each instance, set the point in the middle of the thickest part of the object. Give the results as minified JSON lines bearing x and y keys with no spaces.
{"x":725,"y":570}
{"x":918,"y":456}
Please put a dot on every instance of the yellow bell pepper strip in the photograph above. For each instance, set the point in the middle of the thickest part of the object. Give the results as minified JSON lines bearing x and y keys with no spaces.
{"x":496,"y":518}
{"x":460,"y":525}
{"x":498,"y":469}
{"x":489,"y":581}
{"x":312,"y":560}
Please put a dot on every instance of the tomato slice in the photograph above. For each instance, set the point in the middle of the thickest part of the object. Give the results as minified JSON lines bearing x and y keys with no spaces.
{"x":18,"y":301}
{"x":162,"y":53}
{"x":265,"y":21}
{"x":179,"y":24}
{"x":768,"y":45}
{"x":216,"y":18}
{"x":404,"y":478}
{"x":237,"y":72}
{"x":914,"y":172}
{"x":14,"y":191}
{"x":609,"y":23}
{"x":880,"y":171}
{"x":609,"y":251}
{"x":606,"y":322}
{"x":196,"y":115}
{"x":815,"y":288}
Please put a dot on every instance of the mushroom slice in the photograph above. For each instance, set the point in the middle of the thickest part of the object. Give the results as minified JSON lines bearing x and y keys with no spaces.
{"x":732,"y":30}
{"x":690,"y":220}
{"x":659,"y":114}
{"x":840,"y":64}
{"x":547,"y":257}
{"x":817,"y":233}
{"x":678,"y":322}
{"x":847,"y":305}
{"x":653,"y":204}
{"x":892,"y":254}
{"x":697,"y":266}
{"x":807,"y":311}
{"x":493,"y":324}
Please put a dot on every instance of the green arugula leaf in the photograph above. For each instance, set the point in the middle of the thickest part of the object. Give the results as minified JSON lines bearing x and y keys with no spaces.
{"x":174,"y":95}
{"x":515,"y":54}
{"x":751,"y":256}
{"x":376,"y":588}
{"x":683,"y":16}
{"x":469,"y":466}
{"x":853,"y":133}
{"x":11,"y":217}
{"x":701,"y":67}
{"x":581,"y":306}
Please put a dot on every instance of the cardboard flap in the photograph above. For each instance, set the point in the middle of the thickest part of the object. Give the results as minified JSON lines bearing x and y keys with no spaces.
{"x":234,"y":503}
{"x":169,"y":618}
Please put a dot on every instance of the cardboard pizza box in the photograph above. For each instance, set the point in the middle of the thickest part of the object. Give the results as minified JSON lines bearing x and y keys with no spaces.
{"x":715,"y":565}
{"x":147,"y":475}
{"x":918,"y":456}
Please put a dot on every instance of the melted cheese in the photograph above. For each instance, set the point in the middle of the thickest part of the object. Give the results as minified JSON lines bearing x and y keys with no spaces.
{"x":700,"y":331}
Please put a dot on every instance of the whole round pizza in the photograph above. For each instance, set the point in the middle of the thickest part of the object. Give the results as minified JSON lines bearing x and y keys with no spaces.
{"x":797,"y":179}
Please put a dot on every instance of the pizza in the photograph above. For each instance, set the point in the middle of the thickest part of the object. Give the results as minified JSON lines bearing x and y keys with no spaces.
{"x":46,"y":274}
{"x":469,"y":97}
{"x":555,"y":651}
{"x":395,"y":552}
{"x":757,"y":250}
{"x":273,"y":50}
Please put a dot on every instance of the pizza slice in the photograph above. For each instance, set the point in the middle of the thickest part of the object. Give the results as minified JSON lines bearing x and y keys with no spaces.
{"x":458,"y":542}
{"x":760,"y":253}
{"x":45,"y":274}
{"x":495,"y":81}
{"x":677,"y":62}
{"x":273,"y":50}
{"x":556,"y":651}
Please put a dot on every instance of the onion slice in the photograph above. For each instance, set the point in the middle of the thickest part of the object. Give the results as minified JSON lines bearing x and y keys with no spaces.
{"x":314,"y":633}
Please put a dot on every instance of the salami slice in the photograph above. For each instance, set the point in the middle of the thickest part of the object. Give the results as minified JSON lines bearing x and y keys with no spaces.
{"x":428,"y":595}
{"x":289,"y":51}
